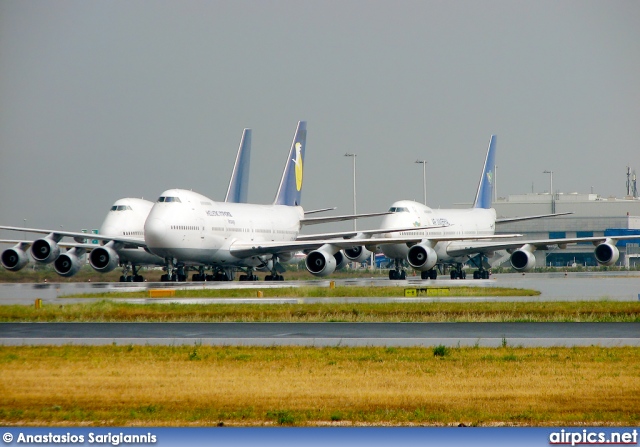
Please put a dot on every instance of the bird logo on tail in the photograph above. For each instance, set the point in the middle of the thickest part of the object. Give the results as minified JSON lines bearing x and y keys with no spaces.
{"x":298,"y":163}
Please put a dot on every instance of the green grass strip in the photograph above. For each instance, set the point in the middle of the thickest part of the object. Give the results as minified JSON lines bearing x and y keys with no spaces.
{"x":118,"y":311}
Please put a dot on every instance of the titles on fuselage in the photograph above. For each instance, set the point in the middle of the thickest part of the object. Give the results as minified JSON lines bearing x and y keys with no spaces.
{"x":440,"y":221}
{"x":219,"y":213}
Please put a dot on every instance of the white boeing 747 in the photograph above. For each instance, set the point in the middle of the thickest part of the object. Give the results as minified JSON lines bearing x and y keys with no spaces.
{"x":186,"y":228}
{"x":122,"y":231}
{"x":465,"y":233}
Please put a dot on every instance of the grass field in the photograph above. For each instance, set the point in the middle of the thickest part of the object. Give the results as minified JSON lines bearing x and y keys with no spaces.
{"x":117,"y":311}
{"x":306,"y":386}
{"x":318,"y":292}
{"x":199,"y":385}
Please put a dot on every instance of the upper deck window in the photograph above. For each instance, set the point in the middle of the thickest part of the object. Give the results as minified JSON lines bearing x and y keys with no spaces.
{"x":169,"y":199}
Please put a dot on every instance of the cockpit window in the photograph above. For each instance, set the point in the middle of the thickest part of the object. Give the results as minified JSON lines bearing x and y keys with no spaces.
{"x":120,"y":208}
{"x":398,"y":209}
{"x":169,"y":199}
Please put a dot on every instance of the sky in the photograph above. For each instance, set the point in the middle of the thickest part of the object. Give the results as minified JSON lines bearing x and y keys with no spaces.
{"x":101,"y":100}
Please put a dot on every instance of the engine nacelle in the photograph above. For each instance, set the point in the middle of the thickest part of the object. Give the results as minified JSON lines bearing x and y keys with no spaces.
{"x":69,"y":263}
{"x":606,"y":253}
{"x":321,"y":263}
{"x":13,"y":259}
{"x":104,"y":259}
{"x":522,"y":260}
{"x":45,"y":251}
{"x":422,"y":257}
{"x":357,"y":254}
{"x":341,"y":260}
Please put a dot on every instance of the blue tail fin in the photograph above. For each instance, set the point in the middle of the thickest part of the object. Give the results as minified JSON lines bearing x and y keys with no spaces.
{"x":239,"y":183}
{"x":485,"y":188}
{"x":290,"y":189}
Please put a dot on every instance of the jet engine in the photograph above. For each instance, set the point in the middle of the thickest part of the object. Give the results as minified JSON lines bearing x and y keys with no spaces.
{"x":69,"y":263}
{"x":341,"y":260}
{"x":357,"y":254}
{"x":45,"y":251}
{"x":522,"y":260}
{"x":422,"y":257}
{"x":606,"y":253}
{"x":322,"y":262}
{"x":13,"y":259}
{"x":104,"y":259}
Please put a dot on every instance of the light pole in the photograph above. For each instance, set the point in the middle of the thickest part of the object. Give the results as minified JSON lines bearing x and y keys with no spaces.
{"x":553,"y":202}
{"x":495,"y":183}
{"x":424,"y":178}
{"x":354,"y":188}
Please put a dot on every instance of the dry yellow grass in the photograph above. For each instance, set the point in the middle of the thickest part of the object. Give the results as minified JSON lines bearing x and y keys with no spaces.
{"x":308,"y":386}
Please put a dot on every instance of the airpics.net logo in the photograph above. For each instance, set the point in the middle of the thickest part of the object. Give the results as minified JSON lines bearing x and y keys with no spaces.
{"x":587,"y":437}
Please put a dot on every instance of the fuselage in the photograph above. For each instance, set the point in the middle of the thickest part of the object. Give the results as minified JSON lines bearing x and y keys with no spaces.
{"x":193,"y":229}
{"x":126,"y":218}
{"x":459,"y":222}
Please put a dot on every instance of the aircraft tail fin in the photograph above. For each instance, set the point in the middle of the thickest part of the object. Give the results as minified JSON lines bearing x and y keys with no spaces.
{"x":485,"y":187}
{"x":239,"y":183}
{"x":290,"y":189}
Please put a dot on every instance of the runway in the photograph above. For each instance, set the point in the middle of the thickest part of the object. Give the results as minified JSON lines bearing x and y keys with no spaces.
{"x":324,"y":334}
{"x":586,"y":286}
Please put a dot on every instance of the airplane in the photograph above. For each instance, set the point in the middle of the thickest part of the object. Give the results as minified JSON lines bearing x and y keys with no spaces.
{"x":125,"y":218}
{"x":269,"y":225}
{"x":186,"y":228}
{"x":468,"y":234}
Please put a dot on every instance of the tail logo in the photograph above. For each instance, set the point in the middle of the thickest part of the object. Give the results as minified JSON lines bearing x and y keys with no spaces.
{"x":298,"y":163}
{"x":490,"y":177}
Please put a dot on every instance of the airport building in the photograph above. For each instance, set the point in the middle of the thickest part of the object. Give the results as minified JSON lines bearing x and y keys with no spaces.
{"x":592,"y":216}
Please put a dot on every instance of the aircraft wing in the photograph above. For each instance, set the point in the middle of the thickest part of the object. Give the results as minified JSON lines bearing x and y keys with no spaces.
{"x":322,"y":210}
{"x":14,"y":241}
{"x":245,"y":249}
{"x":472,"y":247}
{"x":328,"y":219}
{"x":80,"y":237}
{"x":27,"y":244}
{"x":518,"y":219}
{"x":362,"y":234}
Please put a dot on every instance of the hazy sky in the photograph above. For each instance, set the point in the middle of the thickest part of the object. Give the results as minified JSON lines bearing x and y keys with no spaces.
{"x":101,"y":100}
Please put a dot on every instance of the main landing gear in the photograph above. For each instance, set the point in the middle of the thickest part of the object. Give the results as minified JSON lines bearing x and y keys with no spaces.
{"x":250,"y":276}
{"x":429,"y":274}
{"x":276,"y":269}
{"x":219,"y":274}
{"x":134,"y":277}
{"x":479,"y":262}
{"x":398,"y":272}
{"x":457,"y":272}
